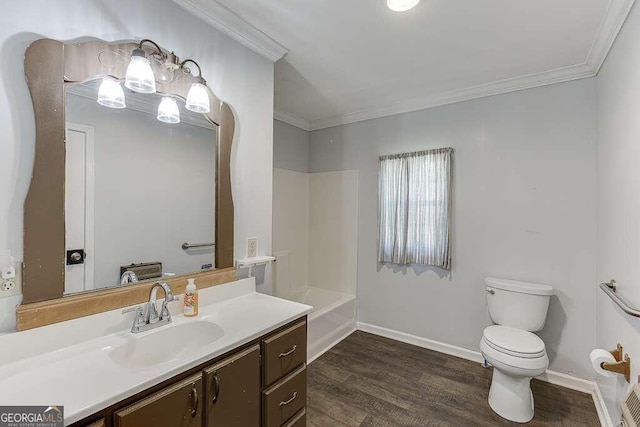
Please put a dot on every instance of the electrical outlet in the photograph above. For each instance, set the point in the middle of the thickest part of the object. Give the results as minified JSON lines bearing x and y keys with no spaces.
{"x":252,"y":247}
{"x":8,"y":285}
{"x":12,"y":286}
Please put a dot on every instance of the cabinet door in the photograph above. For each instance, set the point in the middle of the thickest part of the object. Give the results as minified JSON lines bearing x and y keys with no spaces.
{"x":233,"y":391}
{"x":179,"y":405}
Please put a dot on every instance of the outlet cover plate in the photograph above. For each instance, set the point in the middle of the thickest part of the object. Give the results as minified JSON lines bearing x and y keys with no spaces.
{"x":17,"y":289}
{"x":252,"y":247}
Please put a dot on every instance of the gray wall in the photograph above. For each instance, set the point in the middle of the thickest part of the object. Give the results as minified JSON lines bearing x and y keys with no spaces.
{"x":290,"y":147}
{"x":524,"y":208}
{"x":619,"y":202}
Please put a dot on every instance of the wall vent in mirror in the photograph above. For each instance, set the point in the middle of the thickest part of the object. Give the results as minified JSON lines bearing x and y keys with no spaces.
{"x":144,"y":271}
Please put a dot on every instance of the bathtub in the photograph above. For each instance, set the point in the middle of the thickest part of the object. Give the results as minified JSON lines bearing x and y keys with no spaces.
{"x":332,"y":319}
{"x":334,"y":313}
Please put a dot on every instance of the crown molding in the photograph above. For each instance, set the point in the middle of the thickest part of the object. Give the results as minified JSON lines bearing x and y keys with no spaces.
{"x":292,"y":119}
{"x":228,"y":22}
{"x":610,"y":26}
{"x":435,"y":100}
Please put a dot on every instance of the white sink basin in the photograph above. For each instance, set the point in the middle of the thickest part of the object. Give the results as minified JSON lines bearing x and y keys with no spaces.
{"x":165,"y":344}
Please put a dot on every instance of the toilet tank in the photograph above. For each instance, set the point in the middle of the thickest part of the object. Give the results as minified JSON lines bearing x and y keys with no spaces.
{"x":520,"y":305}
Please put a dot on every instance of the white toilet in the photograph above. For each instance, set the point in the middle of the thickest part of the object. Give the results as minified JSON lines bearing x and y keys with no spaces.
{"x":516,"y":354}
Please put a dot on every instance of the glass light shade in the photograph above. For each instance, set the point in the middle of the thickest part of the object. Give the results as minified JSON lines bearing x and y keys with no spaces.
{"x":168,"y":111}
{"x":402,"y":5}
{"x":139,"y":77}
{"x":198,"y":99}
{"x":110,"y":94}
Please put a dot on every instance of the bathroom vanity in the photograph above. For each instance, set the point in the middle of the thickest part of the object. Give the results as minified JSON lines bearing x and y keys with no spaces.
{"x":236,"y":389}
{"x":240,"y":362}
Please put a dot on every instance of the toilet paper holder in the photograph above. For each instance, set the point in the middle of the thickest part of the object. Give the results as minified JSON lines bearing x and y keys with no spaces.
{"x":621,"y":366}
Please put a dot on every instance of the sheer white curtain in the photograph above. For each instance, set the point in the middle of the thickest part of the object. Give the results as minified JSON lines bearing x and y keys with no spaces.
{"x":414,"y":208}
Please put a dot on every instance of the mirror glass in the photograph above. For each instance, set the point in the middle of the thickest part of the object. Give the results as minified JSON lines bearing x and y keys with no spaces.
{"x":136,"y":190}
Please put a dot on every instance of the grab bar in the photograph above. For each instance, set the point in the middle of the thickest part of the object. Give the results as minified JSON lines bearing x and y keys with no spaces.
{"x":610,"y":290}
{"x":186,"y":246}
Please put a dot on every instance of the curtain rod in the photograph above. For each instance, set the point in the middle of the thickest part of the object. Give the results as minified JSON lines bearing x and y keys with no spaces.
{"x":417,"y":153}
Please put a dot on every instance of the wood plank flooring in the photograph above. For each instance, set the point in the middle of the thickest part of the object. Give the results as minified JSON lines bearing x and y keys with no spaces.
{"x":367,"y":380}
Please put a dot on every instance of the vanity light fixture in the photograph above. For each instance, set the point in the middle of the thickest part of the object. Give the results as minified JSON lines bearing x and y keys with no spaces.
{"x":168,"y":111}
{"x":402,"y":5}
{"x":110,"y":94}
{"x":197,"y":97}
{"x":139,"y":76}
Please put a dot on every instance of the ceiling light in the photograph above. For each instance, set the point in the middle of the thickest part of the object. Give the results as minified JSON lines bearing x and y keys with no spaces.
{"x":139,"y":77}
{"x":110,"y":94}
{"x":402,"y":5}
{"x":198,"y":99}
{"x":168,"y":111}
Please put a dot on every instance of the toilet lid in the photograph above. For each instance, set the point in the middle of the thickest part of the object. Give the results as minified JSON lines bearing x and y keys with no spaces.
{"x":516,"y":342}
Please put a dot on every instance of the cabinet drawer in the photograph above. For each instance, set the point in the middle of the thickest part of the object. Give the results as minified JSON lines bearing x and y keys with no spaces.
{"x":285,"y":399}
{"x":284,"y":352}
{"x":179,"y":405}
{"x":299,"y":420}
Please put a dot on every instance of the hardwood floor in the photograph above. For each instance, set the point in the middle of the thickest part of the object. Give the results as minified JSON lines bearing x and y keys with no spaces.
{"x":367,"y":380}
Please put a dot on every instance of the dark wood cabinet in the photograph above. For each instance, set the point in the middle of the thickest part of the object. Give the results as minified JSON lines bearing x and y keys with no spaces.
{"x":299,"y":420}
{"x":285,"y":399}
{"x":263,"y":382}
{"x":179,"y":405}
{"x":233,"y":390}
{"x":284,"y":352}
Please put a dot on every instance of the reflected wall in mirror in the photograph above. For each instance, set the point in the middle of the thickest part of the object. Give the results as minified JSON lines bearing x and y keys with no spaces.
{"x":136,"y":189}
{"x":130,"y":184}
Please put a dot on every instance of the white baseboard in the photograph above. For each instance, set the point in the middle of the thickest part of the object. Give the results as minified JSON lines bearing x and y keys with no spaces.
{"x":438,"y":346}
{"x":601,"y":408}
{"x":568,"y":381}
{"x":553,"y":377}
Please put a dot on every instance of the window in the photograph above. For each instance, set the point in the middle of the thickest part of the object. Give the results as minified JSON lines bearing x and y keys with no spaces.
{"x":414,"y":208}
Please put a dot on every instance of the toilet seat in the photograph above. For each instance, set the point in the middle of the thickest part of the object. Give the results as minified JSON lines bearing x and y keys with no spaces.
{"x":514,"y":342}
{"x":516,"y":351}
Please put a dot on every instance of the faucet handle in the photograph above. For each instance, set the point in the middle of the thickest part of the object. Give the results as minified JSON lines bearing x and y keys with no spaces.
{"x":138,"y":320}
{"x":138,"y":309}
{"x":164,"y":311}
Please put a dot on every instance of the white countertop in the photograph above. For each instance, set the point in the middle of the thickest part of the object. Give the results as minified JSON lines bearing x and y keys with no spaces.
{"x":68,"y":363}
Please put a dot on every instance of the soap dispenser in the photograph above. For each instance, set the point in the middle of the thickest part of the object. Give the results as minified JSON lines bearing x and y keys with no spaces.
{"x":191,"y":299}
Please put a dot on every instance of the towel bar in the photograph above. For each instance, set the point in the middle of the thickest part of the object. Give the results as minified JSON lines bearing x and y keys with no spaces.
{"x":186,"y":246}
{"x":610,"y":290}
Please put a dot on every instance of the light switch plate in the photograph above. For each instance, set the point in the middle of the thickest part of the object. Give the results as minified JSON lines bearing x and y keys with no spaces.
{"x":252,"y":247}
{"x":13,"y":286}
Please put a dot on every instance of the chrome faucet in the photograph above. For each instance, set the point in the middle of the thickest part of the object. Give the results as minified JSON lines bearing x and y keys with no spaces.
{"x":128,"y":277}
{"x":147,"y":316}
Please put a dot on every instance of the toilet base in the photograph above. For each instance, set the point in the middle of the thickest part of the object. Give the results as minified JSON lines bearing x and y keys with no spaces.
{"x":511,"y":397}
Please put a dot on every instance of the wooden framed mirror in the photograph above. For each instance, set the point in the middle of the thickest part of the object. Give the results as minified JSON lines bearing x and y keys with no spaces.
{"x":52,"y":68}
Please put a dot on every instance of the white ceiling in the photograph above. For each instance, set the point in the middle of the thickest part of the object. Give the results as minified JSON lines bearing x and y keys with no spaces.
{"x":352,"y":60}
